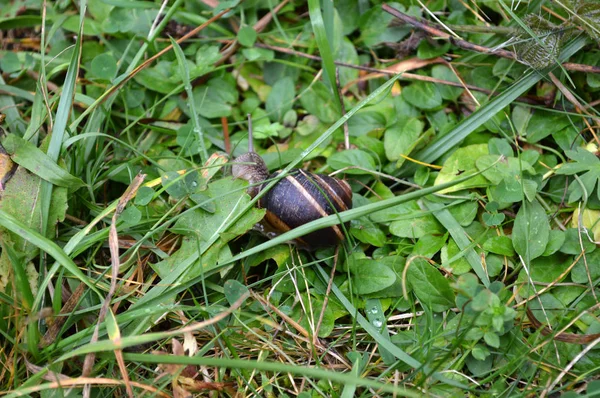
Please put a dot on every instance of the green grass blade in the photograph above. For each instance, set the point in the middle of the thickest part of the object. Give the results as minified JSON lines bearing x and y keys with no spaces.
{"x":22,"y":283}
{"x":325,"y":50}
{"x":37,"y":162}
{"x":461,"y":238}
{"x":185,"y":77}
{"x":15,"y":122}
{"x":62,"y":116}
{"x":17,"y":227}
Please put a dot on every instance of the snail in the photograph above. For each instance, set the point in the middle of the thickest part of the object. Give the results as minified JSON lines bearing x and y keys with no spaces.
{"x":296,"y":199}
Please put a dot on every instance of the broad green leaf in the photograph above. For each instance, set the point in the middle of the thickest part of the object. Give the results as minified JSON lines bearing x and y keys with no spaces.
{"x":144,"y":196}
{"x":395,"y":290}
{"x":427,"y":50}
{"x":23,"y":275}
{"x":213,"y":255}
{"x":453,"y":259}
{"x":160,"y":77}
{"x":349,"y":13}
{"x":215,"y":99}
{"x":500,"y":245}
{"x":258,"y":54}
{"x":531,"y":231}
{"x":374,"y":26}
{"x":543,"y":270}
{"x":477,"y":365}
{"x":416,"y":227}
{"x":246,"y":36}
{"x":430,"y":287}
{"x":395,"y":212}
{"x":353,"y":157}
{"x":376,"y":315}
{"x":544,"y":123}
{"x":583,"y":161}
{"x":587,"y":270}
{"x":20,"y":199}
{"x":498,"y":168}
{"x":10,"y":63}
{"x":442,"y":72}
{"x":572,"y":243}
{"x":206,"y":56}
{"x":9,"y":223}
{"x":370,"y":276}
{"x":306,"y":320}
{"x":555,"y":242}
{"x":493,"y":219}
{"x":366,"y":121}
{"x":104,"y":67}
{"x":553,"y":310}
{"x":492,"y":339}
{"x":280,"y":99}
{"x":429,"y":245}
{"x":347,"y":53}
{"x":318,"y":101}
{"x":234,"y":290}
{"x":367,"y":232}
{"x":119,"y":20}
{"x":511,"y":189}
{"x":464,"y":213}
{"x":36,"y":161}
{"x":401,"y":138}
{"x":462,"y":238}
{"x":423,"y":95}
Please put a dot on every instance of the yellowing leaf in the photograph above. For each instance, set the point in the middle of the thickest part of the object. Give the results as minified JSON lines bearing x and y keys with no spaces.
{"x":589,"y":219}
{"x":461,"y":163}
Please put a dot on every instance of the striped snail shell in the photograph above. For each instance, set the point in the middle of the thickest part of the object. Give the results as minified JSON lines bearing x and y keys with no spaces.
{"x":296,"y":199}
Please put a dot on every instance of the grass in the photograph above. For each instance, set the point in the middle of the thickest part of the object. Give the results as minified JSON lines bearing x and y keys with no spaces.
{"x":130,"y":264}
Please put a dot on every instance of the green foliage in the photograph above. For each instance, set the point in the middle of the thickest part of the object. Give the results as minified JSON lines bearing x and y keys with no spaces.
{"x":476,"y":194}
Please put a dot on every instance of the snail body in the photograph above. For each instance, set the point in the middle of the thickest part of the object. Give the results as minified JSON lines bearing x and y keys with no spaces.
{"x":296,"y":199}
